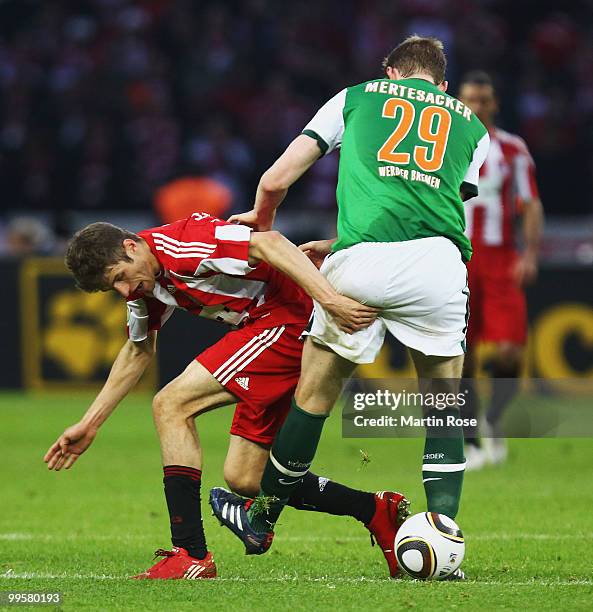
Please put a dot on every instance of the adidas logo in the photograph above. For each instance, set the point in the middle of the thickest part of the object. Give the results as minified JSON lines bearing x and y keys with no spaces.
{"x":234,"y":514}
{"x":243,"y":381}
{"x":171,"y":289}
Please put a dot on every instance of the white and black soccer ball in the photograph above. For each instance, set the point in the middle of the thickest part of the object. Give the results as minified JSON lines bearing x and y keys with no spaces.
{"x":429,"y":546}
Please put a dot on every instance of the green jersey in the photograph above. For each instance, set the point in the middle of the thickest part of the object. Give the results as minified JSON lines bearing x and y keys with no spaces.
{"x":407,"y":150}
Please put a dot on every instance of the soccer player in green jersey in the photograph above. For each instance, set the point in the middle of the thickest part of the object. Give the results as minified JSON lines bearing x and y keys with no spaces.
{"x":410,"y":155}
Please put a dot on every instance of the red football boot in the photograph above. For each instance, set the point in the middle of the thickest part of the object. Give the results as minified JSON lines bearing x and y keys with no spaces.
{"x":178,"y":565}
{"x":391,"y":511}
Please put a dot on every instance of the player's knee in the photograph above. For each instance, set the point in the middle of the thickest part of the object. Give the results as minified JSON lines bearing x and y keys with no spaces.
{"x":314,"y":400}
{"x":241,"y":483}
{"x":164,"y":405}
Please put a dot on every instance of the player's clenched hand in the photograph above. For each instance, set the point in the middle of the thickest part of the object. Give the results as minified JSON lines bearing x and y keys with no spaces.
{"x":69,"y":446}
{"x":253,"y":219}
{"x":349,"y":315}
{"x":317,"y":250}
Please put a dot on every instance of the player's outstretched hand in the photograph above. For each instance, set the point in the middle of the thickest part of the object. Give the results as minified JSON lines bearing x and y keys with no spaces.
{"x":351,"y":316}
{"x":317,"y":250}
{"x":254,"y":220}
{"x":69,"y":446}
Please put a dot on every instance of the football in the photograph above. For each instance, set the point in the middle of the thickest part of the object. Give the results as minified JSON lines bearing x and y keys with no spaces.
{"x":429,"y":546}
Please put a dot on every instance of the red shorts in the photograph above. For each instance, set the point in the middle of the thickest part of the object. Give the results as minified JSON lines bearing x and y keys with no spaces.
{"x":498,"y":310}
{"x":261,"y":367}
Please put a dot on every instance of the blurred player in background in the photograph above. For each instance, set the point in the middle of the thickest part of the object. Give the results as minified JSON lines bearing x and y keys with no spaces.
{"x":410,"y":154}
{"x":498,"y":272}
{"x":223,"y":272}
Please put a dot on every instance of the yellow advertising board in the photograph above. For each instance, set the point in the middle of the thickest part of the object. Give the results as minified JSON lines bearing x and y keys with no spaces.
{"x":69,"y":338}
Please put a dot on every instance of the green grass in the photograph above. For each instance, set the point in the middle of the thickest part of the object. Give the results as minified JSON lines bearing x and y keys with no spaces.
{"x":528,"y":525}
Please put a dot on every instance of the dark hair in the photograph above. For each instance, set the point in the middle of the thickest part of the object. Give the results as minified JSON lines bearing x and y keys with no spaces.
{"x":418,"y":54}
{"x":93,"y":250}
{"x":476,"y":77}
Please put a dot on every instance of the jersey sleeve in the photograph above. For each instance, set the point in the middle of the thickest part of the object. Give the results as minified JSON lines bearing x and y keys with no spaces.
{"x":205,"y":245}
{"x":524,"y":174}
{"x":472,"y":176}
{"x":231,"y":255}
{"x":327,"y":126}
{"x":145,"y":315}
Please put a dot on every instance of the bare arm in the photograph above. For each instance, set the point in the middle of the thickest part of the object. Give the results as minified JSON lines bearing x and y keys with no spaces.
{"x":533,"y":222}
{"x":273,"y":248}
{"x":525,"y":271}
{"x":129,"y":365}
{"x":273,"y":186}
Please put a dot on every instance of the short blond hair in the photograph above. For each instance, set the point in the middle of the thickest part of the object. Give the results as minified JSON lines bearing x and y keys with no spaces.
{"x":418,"y":54}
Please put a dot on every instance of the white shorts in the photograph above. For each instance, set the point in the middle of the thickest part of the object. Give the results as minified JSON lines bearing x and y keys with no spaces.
{"x":420,"y":286}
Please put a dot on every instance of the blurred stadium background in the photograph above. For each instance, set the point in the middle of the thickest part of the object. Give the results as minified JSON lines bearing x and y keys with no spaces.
{"x":125,"y":111}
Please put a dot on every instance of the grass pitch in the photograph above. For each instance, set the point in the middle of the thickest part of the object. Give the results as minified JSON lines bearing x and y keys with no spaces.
{"x":528,"y":525}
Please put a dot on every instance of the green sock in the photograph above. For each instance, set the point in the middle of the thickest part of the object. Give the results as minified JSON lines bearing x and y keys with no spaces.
{"x":290,"y":458}
{"x":443,"y":466}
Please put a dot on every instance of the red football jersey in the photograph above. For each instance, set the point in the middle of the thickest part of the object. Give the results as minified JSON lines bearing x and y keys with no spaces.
{"x":507,"y":179}
{"x":205,"y":270}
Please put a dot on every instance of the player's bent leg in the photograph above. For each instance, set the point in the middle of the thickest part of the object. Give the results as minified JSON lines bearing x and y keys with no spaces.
{"x":382,"y":513}
{"x":292,"y":452}
{"x":443,"y":461}
{"x":174,"y":408}
{"x":244,"y":466}
{"x":322,"y":375}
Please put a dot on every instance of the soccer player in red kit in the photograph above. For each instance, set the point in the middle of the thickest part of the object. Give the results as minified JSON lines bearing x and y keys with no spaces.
{"x":497,"y":271}
{"x":257,"y":282}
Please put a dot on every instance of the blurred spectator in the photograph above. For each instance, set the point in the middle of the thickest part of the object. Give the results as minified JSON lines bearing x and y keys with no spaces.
{"x":217,"y":152}
{"x":104,"y":101}
{"x":185,"y":196}
{"x":27,"y":236}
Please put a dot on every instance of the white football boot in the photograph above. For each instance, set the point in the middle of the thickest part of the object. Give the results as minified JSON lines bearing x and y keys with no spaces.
{"x":494,"y":446}
{"x":475,"y":458}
